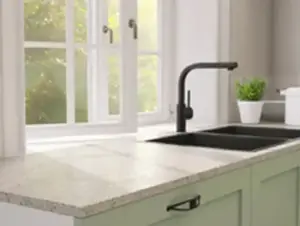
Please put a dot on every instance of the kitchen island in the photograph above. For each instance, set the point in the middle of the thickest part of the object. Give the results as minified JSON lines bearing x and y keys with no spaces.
{"x":125,"y":181}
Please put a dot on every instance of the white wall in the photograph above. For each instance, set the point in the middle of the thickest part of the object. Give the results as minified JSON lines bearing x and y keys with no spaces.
{"x":286,"y":50}
{"x":248,"y":43}
{"x":197,"y":39}
{"x":1,"y":75}
{"x":227,"y":30}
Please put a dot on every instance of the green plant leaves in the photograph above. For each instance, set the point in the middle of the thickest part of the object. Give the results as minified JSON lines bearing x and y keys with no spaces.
{"x":251,"y":89}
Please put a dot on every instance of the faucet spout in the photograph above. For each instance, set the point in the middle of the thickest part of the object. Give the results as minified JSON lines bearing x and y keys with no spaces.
{"x":181,"y":107}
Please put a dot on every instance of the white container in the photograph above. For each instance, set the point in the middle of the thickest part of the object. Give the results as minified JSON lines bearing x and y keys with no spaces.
{"x":292,"y":105}
{"x":250,"y":111}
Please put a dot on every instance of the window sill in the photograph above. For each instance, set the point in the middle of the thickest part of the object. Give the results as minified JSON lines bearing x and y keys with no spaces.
{"x":41,"y":145}
{"x":79,"y":131}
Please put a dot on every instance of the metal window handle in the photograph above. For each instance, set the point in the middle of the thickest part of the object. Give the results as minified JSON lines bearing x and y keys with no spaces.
{"x":110,"y":32}
{"x":193,"y":203}
{"x":132,"y":24}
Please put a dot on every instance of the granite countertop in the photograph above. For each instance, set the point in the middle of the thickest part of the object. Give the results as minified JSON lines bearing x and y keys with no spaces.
{"x":88,"y":179}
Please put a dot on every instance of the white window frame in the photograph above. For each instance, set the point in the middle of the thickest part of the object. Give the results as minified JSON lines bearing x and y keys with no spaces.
{"x":12,"y":85}
{"x":129,"y":120}
{"x":167,"y":77}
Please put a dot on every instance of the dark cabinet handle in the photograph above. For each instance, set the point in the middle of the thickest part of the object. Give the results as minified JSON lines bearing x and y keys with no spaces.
{"x":192,"y":203}
{"x":110,"y":32}
{"x":132,"y":24}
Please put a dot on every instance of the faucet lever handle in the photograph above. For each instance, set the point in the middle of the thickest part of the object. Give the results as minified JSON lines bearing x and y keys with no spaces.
{"x":189,"y":98}
{"x":188,"y":111}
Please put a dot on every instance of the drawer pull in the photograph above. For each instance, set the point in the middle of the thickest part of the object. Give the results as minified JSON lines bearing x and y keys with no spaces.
{"x":193,"y":203}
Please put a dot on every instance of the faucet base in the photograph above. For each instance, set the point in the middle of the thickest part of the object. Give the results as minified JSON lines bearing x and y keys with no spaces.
{"x":180,"y":119}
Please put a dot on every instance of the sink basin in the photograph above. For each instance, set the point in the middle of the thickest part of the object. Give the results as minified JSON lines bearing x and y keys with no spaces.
{"x":222,"y":141}
{"x":257,"y":131}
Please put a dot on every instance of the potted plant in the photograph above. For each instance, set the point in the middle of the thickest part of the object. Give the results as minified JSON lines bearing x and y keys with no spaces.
{"x":249,"y":93}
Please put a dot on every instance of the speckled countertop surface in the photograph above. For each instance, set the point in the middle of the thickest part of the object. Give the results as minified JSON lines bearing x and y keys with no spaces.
{"x":87,"y":179}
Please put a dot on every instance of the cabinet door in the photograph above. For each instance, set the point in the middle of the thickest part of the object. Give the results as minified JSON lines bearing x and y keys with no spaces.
{"x":275,"y":186}
{"x":225,"y":201}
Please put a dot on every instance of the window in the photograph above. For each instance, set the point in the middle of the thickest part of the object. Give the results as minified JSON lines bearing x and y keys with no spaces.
{"x":96,"y":66}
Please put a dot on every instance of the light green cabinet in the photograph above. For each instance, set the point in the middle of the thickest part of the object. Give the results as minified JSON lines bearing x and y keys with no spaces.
{"x":265,"y":194}
{"x":225,"y":200}
{"x":232,"y":209}
{"x":276,"y":189}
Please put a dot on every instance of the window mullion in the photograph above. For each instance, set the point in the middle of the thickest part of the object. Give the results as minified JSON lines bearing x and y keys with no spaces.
{"x":92,"y":6}
{"x":102,"y":64}
{"x":128,"y":66}
{"x":51,"y":45}
{"x":160,"y":21}
{"x":97,"y":57}
{"x":70,"y":53}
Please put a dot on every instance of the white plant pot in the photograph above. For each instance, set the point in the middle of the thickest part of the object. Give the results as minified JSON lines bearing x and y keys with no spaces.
{"x":250,"y":111}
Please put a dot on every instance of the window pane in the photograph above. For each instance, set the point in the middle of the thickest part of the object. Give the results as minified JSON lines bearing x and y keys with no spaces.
{"x":81,"y":111}
{"x":44,"y":20}
{"x":147,"y":83}
{"x":81,"y":20}
{"x":148,"y":24}
{"x":114,"y":85}
{"x":113,"y":18}
{"x":45,"y":86}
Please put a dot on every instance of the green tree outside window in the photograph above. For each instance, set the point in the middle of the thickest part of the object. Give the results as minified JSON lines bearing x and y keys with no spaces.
{"x":46,"y":67}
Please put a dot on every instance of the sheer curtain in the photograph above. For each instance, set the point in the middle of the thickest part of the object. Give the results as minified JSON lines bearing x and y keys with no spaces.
{"x":12,"y":103}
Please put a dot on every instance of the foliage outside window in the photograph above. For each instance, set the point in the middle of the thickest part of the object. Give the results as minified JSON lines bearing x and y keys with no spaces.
{"x":46,"y":65}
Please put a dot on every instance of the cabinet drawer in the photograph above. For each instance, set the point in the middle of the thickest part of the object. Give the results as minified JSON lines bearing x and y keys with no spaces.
{"x":152,"y":210}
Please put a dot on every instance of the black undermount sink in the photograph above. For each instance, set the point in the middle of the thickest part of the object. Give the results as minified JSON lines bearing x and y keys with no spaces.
{"x":257,"y":131}
{"x":221,"y":141}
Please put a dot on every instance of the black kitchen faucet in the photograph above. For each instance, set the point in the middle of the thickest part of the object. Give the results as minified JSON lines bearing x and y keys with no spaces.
{"x":186,"y":112}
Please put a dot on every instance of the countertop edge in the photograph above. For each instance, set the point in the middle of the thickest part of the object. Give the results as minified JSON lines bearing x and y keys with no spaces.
{"x":193,"y":178}
{"x":110,"y":204}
